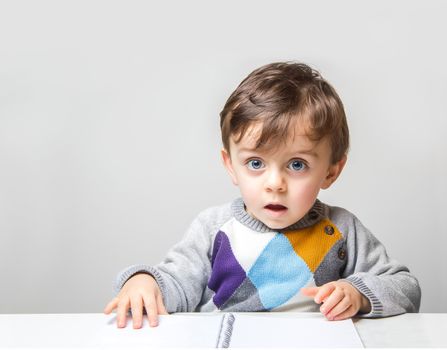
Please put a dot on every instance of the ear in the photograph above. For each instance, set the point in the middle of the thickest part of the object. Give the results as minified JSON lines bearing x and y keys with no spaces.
{"x":333,"y":172}
{"x":228,"y":165}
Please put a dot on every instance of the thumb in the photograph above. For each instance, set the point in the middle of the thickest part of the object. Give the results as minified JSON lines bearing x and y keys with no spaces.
{"x":310,"y":291}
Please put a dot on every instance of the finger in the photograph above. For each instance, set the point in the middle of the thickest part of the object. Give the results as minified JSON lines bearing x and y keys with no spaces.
{"x":310,"y":291}
{"x":123,"y":307}
{"x":324,"y":292}
{"x":151,"y":309}
{"x":348,"y":313}
{"x":336,"y":296}
{"x":136,"y":305}
{"x":338,"y":309}
{"x":111,"y":306}
{"x":161,"y":306}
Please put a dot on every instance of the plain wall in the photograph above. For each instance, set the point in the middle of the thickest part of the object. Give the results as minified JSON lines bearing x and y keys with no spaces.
{"x":110,"y":140}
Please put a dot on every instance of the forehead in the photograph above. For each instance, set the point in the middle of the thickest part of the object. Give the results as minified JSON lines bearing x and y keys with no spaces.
{"x":298,"y":136}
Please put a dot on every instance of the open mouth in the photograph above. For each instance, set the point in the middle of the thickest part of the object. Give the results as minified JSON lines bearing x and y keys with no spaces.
{"x":276,"y":207}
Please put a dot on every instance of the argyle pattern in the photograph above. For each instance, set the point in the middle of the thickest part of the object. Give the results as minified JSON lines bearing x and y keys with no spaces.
{"x":255,"y":271}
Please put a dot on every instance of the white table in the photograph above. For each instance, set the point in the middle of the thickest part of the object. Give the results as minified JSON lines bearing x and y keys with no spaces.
{"x":408,"y":330}
{"x":76,"y":330}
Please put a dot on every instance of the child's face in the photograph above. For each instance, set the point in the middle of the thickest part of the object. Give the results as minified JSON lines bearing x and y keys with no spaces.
{"x":280,"y":186}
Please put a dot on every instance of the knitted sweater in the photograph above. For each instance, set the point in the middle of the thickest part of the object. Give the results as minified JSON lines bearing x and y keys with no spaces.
{"x":230,"y":261}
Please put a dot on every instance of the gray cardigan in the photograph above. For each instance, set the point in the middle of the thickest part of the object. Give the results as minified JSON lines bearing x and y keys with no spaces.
{"x":230,"y":261}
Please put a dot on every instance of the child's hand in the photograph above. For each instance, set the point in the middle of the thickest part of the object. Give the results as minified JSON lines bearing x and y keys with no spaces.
{"x":340,"y":300}
{"x":139,"y":291}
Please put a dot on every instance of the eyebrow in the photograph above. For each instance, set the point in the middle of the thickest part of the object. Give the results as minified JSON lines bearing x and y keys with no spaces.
{"x":309,"y":152}
{"x":246,"y":150}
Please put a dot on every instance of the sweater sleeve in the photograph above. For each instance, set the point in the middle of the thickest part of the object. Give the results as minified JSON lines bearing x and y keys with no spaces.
{"x":183,"y":275}
{"x":389,"y":285}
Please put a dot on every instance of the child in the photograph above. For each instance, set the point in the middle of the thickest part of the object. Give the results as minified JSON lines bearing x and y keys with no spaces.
{"x":277,"y":247}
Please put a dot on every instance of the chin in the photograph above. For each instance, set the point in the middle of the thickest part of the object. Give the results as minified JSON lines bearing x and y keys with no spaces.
{"x":276,"y":226}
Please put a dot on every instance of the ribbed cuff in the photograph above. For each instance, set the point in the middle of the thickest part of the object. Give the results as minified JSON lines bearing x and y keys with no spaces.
{"x":123,"y":276}
{"x":376,"y":305}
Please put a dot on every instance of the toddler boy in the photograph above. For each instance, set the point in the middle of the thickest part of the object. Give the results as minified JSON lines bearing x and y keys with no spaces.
{"x":276,"y":248}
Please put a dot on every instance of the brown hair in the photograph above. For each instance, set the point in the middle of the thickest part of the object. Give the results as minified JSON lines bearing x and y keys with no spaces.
{"x":279,"y":93}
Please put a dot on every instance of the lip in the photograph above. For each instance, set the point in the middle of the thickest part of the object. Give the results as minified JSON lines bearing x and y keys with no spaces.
{"x":275,"y":209}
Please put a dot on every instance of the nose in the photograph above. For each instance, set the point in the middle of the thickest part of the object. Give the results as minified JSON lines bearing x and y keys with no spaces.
{"x":275,"y":181}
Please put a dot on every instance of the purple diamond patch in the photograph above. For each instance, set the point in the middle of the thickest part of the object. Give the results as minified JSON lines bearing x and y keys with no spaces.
{"x":227,"y":274}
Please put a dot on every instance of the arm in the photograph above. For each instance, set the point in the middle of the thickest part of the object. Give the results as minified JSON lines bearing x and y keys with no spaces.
{"x":183,"y":275}
{"x":372,"y":284}
{"x":389,"y":286}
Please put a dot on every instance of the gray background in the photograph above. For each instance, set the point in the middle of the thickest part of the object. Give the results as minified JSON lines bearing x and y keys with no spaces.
{"x":109,"y":137}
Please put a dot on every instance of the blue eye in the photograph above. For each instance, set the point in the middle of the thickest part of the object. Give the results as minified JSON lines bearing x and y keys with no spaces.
{"x":296,"y":165}
{"x":255,"y":164}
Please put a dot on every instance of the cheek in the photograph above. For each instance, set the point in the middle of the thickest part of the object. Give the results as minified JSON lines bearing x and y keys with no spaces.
{"x":306,"y":192}
{"x":248,"y":188}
